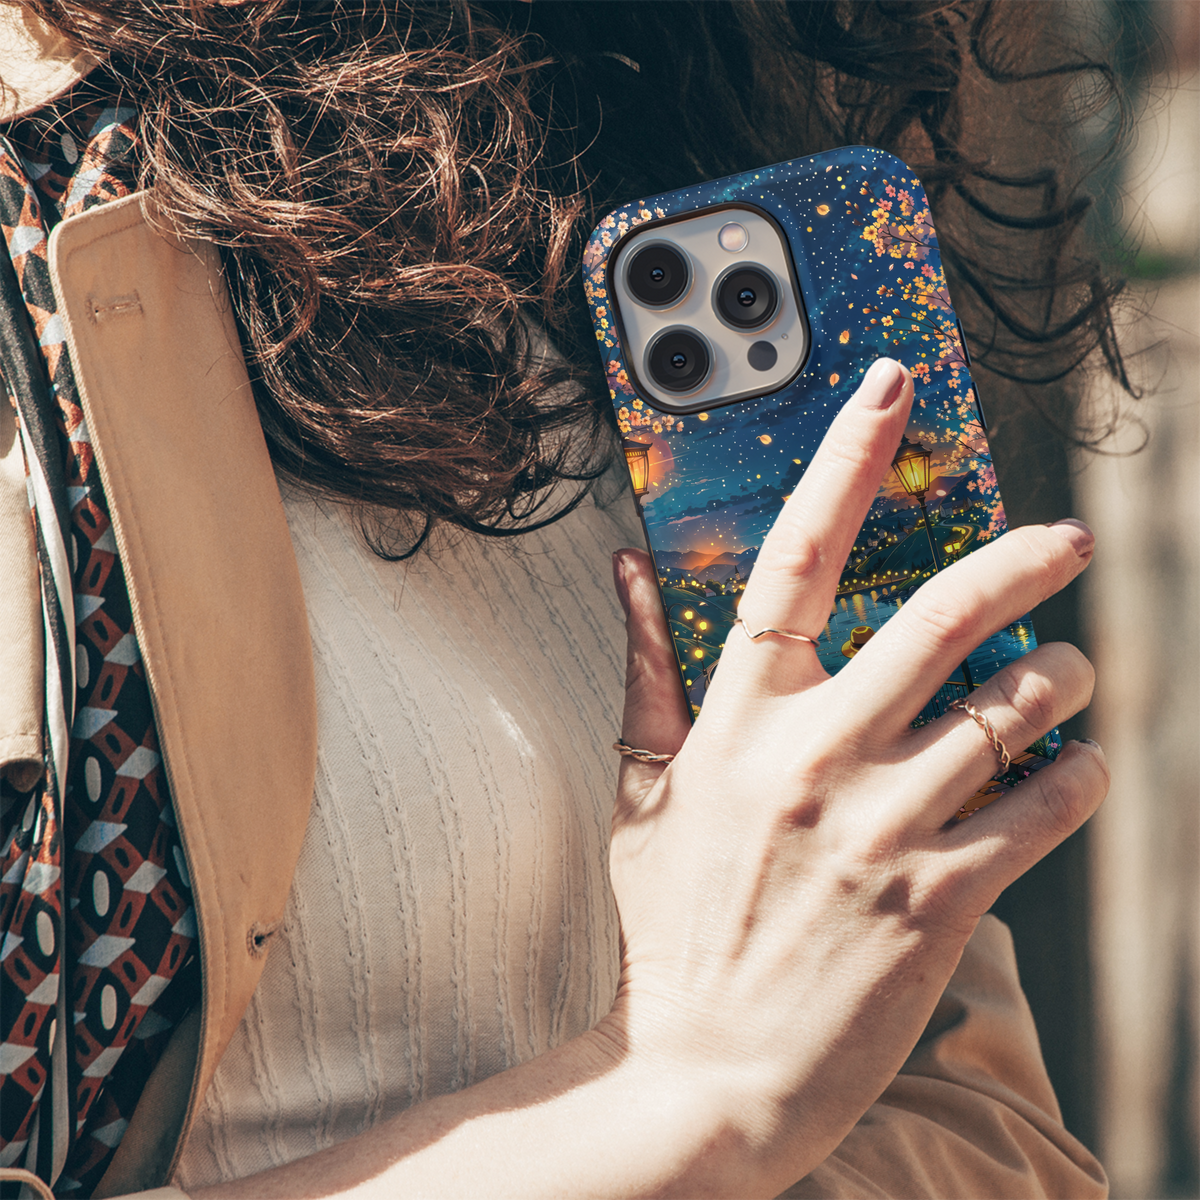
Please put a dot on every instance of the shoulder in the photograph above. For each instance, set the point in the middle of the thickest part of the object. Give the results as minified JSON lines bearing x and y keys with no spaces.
{"x":37,"y":63}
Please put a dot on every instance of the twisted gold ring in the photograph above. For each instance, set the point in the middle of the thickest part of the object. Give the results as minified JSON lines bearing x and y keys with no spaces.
{"x":625,"y":750}
{"x":981,"y":720}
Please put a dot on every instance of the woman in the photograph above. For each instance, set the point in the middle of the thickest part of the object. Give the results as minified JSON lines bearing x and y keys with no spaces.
{"x":443,"y":1007}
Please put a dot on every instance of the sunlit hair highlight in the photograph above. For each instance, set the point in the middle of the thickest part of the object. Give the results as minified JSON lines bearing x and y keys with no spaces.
{"x":400,"y":193}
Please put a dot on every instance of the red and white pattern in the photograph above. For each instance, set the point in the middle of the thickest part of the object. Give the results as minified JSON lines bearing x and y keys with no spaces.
{"x":98,"y":934}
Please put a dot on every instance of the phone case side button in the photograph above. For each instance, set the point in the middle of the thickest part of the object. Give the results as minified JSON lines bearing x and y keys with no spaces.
{"x":962,"y":339}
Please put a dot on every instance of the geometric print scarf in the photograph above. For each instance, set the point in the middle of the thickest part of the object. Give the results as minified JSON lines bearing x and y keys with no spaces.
{"x":98,"y":953}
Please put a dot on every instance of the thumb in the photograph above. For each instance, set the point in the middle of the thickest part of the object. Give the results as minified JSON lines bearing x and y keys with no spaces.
{"x":656,"y":711}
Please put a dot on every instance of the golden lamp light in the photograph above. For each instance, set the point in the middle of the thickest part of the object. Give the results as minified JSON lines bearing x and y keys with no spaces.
{"x":637,"y":455}
{"x":912,"y":466}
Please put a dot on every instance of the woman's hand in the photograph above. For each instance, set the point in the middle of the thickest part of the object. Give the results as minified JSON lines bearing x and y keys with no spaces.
{"x":794,"y":890}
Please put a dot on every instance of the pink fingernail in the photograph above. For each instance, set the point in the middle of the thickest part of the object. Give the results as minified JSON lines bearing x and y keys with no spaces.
{"x":620,"y":582}
{"x":883,"y":384}
{"x":1077,"y":533}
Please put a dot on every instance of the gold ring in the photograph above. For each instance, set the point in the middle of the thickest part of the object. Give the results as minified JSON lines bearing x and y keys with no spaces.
{"x":625,"y":750}
{"x":795,"y":637}
{"x":981,"y":720}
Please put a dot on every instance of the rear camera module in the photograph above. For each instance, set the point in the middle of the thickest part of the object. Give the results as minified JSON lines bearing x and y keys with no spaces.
{"x":746,"y":297}
{"x":679,"y":360}
{"x":657,"y":275}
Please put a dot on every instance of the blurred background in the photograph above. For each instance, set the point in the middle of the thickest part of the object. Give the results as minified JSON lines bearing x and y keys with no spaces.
{"x":1141,"y":616}
{"x":1107,"y":927}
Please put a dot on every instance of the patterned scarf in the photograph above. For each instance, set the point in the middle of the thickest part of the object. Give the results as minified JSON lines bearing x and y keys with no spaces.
{"x":98,"y":957}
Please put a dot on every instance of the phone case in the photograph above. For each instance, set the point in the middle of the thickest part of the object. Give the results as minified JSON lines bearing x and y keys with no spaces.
{"x":857,"y":224}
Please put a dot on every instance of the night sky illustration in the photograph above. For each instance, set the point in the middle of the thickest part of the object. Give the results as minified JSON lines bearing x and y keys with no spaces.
{"x":869,"y":272}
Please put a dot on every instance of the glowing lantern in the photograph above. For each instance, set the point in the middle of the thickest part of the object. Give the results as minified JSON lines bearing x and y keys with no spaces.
{"x":912,"y":466}
{"x":637,"y":456}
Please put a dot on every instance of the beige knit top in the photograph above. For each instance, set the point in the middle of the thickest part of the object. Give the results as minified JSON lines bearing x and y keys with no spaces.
{"x":451,"y":913}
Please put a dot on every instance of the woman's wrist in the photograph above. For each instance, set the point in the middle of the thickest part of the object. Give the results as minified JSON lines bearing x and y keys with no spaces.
{"x":698,"y":1126}
{"x":717,"y":1122}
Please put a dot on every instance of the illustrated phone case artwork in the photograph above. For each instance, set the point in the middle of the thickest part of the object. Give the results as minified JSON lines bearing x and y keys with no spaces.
{"x":712,"y":475}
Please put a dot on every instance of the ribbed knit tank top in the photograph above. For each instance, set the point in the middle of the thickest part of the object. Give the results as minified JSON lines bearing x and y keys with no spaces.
{"x":451,"y":914}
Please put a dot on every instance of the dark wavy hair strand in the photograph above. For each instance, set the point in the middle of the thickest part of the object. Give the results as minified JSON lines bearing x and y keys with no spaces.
{"x":401,"y":191}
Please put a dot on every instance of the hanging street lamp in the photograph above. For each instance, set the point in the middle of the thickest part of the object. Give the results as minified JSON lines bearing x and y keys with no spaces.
{"x":637,"y":456}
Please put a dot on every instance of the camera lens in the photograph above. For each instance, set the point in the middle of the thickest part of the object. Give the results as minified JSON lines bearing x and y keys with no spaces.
{"x":657,"y":275}
{"x":679,"y":360}
{"x":746,"y":297}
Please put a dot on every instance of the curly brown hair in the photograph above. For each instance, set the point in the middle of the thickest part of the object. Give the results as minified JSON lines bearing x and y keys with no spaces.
{"x":400,"y":190}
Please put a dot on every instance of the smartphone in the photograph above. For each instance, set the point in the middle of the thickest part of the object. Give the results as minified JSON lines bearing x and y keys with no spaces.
{"x":734,"y":318}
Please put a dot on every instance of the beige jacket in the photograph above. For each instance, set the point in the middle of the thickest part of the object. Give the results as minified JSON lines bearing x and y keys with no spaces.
{"x":220,"y":618}
{"x":213,"y":585}
{"x":217,"y":609}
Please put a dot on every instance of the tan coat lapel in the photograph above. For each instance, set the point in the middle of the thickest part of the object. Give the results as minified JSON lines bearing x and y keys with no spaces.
{"x":22,"y":679}
{"x":217,"y":608}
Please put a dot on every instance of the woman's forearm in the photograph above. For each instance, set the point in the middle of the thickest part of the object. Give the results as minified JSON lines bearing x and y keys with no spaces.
{"x":589,"y":1118}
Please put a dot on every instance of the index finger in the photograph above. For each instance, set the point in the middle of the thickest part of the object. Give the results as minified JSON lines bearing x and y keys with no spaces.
{"x":796,"y":573}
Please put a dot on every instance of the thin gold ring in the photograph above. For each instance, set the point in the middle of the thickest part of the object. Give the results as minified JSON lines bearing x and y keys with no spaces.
{"x":795,"y":637}
{"x":981,"y":720}
{"x":625,"y":750}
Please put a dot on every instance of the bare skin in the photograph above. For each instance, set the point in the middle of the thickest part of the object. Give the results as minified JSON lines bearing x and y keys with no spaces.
{"x":794,"y":892}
